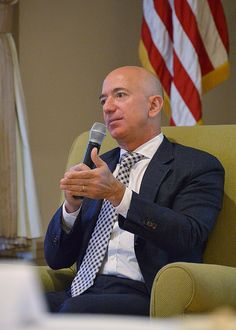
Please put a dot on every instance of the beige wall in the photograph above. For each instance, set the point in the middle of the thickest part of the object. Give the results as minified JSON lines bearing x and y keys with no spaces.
{"x":66,"y":47}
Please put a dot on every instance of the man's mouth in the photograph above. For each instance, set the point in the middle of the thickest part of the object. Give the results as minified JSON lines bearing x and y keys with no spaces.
{"x":113,"y":120}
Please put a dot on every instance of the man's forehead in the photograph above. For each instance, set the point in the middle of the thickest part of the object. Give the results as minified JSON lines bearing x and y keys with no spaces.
{"x":118,"y":80}
{"x":116,"y":76}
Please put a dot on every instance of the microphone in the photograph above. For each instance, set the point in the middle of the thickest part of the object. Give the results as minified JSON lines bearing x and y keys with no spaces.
{"x":96,"y":136}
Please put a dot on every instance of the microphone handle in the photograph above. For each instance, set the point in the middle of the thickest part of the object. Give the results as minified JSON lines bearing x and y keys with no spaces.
{"x":87,"y":158}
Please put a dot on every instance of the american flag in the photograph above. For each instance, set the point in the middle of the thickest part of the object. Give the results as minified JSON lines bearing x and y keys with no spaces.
{"x":185,"y":43}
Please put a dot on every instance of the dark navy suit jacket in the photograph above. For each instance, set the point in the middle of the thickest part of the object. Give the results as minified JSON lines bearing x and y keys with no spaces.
{"x":171,"y":217}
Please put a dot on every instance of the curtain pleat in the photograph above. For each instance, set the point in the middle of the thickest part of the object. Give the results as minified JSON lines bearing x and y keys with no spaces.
{"x":19,"y":212}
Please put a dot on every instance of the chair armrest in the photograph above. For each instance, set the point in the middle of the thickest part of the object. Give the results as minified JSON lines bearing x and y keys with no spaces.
{"x":186,"y":288}
{"x":55,"y":280}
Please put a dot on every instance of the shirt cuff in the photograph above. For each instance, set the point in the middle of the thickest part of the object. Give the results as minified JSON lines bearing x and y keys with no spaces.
{"x":124,"y":205}
{"x":68,"y":219}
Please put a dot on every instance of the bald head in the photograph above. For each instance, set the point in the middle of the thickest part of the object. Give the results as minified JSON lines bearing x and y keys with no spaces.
{"x":140,"y":78}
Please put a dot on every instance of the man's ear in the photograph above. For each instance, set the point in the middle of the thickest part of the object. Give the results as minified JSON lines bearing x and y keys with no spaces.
{"x":156,"y":104}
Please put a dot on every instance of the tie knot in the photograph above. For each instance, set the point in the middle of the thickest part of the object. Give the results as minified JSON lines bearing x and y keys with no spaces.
{"x":129,"y":159}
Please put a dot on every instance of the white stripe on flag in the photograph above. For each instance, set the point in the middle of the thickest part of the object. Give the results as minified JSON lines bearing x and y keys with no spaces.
{"x":186,"y":53}
{"x":209,"y":33}
{"x":180,"y":112}
{"x":159,"y":33}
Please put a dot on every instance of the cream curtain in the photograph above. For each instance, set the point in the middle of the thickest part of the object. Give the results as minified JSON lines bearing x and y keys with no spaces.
{"x":19,"y":211}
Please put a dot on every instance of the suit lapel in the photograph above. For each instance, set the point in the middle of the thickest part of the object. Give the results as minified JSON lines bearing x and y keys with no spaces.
{"x":112,"y":158}
{"x":157,"y":170}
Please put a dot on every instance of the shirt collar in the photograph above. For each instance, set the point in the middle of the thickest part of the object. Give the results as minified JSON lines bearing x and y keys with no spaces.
{"x":149,"y":148}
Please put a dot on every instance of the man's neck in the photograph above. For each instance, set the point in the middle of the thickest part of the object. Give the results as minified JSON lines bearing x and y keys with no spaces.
{"x":135,"y":143}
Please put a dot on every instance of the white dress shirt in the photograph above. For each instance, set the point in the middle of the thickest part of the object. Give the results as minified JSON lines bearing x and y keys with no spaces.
{"x":120,"y":259}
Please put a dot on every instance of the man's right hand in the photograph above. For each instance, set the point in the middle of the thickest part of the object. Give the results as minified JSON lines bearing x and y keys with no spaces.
{"x":72,"y":204}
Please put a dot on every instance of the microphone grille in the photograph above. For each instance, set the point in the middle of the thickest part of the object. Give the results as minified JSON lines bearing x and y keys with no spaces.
{"x":97,"y":133}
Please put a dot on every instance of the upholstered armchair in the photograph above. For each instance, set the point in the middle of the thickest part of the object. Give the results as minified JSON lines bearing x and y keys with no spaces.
{"x":186,"y":288}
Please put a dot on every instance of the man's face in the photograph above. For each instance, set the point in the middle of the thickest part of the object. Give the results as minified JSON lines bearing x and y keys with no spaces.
{"x":125,"y":106}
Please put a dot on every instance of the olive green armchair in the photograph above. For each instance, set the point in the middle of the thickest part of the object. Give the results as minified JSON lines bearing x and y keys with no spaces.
{"x":186,"y":288}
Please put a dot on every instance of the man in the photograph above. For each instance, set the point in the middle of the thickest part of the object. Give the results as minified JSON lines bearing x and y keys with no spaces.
{"x":165,"y":209}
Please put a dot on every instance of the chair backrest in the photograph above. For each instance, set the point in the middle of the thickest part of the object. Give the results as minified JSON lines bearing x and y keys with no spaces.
{"x":219,"y":140}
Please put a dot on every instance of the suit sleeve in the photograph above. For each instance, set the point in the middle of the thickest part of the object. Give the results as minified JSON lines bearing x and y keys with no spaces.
{"x":60,"y":247}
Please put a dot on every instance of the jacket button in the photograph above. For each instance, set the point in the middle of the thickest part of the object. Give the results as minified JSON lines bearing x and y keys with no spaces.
{"x":55,"y":240}
{"x":150,"y":224}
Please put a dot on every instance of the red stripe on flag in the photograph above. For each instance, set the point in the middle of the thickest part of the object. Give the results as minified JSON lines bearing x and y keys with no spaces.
{"x":187,"y":89}
{"x":156,"y":59}
{"x":172,"y":123}
{"x":188,"y":21}
{"x":164,"y":11}
{"x":220,"y":21}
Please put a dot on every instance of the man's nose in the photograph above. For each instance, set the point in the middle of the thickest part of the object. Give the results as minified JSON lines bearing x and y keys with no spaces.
{"x":109,"y":105}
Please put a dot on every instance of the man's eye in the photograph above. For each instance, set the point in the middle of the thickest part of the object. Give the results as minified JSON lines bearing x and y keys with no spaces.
{"x":102,"y":101}
{"x":120,"y":94}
